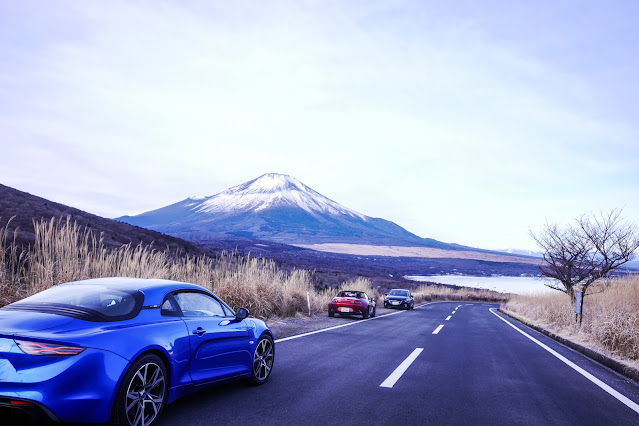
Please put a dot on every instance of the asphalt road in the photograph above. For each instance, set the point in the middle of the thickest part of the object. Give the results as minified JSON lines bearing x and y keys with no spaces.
{"x":477,"y":369}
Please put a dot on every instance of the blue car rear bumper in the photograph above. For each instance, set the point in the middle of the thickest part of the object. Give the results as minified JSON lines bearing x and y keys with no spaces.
{"x":78,"y":388}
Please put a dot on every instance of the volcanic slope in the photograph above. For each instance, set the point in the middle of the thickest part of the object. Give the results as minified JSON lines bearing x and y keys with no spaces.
{"x":277,"y":208}
{"x":23,"y":208}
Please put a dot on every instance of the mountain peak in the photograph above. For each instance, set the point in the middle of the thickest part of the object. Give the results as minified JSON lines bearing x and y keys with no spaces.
{"x":271,"y":182}
{"x":272,"y":190}
{"x":277,"y":207}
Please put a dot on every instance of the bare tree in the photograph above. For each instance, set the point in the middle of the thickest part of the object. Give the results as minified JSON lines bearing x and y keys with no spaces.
{"x":577,"y":255}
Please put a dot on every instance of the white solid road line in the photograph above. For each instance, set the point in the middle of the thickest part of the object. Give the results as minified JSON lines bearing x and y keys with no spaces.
{"x":399,"y":371}
{"x":335,"y":327}
{"x":449,"y":317}
{"x":622,"y":398}
{"x":438,"y":329}
{"x":284,"y":339}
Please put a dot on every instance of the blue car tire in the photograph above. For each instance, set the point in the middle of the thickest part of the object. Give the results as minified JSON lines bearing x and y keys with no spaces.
{"x":263,"y":359}
{"x":143,"y":392}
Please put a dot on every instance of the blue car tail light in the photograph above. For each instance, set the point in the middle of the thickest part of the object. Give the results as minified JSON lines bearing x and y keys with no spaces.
{"x":48,"y":349}
{"x":18,"y":402}
{"x":78,"y":388}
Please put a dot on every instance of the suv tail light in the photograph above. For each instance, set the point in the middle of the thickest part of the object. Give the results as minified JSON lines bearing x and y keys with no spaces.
{"x":48,"y":349}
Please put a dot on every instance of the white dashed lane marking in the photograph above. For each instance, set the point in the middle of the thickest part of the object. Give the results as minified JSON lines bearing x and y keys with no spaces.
{"x":399,"y":371}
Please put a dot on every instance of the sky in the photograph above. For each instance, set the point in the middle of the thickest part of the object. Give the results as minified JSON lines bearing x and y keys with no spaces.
{"x":468,"y":122}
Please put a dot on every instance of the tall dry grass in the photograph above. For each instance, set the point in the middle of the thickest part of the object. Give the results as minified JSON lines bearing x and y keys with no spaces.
{"x":425,"y":293}
{"x":64,"y":251}
{"x":359,"y":284}
{"x":610,"y":319}
{"x":258,"y":284}
{"x":12,"y":265}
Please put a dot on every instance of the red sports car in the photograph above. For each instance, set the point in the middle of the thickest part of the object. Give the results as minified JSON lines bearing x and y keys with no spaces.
{"x":349,"y":302}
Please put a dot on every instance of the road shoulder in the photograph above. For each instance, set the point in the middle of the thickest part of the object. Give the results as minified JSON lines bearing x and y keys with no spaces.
{"x":613,"y":364}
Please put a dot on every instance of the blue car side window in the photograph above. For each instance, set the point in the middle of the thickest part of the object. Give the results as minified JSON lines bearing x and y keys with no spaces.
{"x":195,"y":304}
{"x":169,"y":308}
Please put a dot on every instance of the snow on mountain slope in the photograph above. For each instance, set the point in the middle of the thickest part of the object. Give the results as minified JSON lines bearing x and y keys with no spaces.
{"x":279,"y":208}
{"x":272,"y":190}
{"x":521,"y":252}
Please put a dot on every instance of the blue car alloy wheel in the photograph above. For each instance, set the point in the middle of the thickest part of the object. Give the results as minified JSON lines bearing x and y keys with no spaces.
{"x":121,"y":349}
{"x":263,"y":360}
{"x":142,"y":394}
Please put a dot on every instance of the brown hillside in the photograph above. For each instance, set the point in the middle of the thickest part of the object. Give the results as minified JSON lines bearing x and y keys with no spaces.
{"x":25,"y":208}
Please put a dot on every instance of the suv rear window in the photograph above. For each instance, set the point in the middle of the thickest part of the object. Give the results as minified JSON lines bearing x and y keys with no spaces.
{"x":84,"y":301}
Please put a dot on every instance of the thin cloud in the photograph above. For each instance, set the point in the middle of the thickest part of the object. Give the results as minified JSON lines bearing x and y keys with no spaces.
{"x":457,"y":124}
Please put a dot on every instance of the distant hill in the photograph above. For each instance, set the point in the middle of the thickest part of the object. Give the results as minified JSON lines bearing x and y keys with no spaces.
{"x":277,"y":208}
{"x":26,"y":208}
{"x":330,"y":269}
{"x":521,"y":252}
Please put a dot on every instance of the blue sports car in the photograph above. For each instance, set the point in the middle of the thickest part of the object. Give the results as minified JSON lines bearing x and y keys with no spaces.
{"x":121,"y":349}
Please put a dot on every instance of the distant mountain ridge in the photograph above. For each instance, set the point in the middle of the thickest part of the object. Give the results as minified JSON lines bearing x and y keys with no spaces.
{"x":278,"y":208}
{"x":521,"y":252}
{"x":25,"y":208}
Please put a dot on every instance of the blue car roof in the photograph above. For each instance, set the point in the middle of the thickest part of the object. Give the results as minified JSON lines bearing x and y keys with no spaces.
{"x":152,"y":288}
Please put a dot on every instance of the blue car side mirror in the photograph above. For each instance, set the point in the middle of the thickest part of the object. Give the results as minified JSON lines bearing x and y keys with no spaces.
{"x":242,"y":313}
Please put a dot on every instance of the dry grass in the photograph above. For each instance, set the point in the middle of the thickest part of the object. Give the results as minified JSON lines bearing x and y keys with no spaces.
{"x":359,"y":284}
{"x":610,"y":316}
{"x":12,"y":266}
{"x":259,"y":285}
{"x":426,"y":293}
{"x":64,"y":252}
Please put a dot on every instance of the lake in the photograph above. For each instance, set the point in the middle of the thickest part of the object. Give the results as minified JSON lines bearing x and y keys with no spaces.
{"x":518,"y":285}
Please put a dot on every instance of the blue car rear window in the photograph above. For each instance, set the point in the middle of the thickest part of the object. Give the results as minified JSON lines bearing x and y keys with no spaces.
{"x":84,"y":301}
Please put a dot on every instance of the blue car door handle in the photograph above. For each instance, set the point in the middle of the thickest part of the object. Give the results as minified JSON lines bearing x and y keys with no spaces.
{"x":199,"y":331}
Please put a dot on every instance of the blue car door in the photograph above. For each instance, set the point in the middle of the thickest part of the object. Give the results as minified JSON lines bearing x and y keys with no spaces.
{"x":219,"y":342}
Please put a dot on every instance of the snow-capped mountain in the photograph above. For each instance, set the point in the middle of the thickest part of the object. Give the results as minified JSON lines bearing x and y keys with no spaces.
{"x":521,"y":252}
{"x":269,"y":191}
{"x":274,"y":207}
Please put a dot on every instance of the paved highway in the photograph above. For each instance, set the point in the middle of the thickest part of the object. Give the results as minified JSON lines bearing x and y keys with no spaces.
{"x":442,"y":363}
